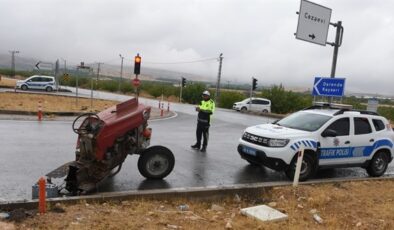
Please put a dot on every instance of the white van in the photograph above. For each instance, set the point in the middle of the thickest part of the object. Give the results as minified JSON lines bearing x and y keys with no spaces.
{"x":257,"y":105}
{"x":46,"y":83}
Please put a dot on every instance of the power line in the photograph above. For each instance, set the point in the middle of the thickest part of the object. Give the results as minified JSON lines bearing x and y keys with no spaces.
{"x":181,"y":62}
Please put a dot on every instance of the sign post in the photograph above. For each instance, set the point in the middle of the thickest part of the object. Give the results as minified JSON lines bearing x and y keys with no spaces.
{"x":313,"y":24}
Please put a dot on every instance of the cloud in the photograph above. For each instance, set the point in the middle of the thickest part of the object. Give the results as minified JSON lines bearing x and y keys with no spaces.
{"x":255,"y":36}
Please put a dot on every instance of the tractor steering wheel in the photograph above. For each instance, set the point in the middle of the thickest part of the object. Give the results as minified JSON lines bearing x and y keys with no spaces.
{"x":88,"y":124}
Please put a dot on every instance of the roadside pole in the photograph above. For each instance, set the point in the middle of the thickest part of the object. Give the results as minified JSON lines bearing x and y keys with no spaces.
{"x":298,"y":167}
{"x":91,"y":92}
{"x":336,"y":44}
{"x":217,"y":94}
{"x":82,"y":66}
{"x":76,"y":91}
{"x":121,"y":72}
{"x":137,"y":70}
{"x":251,"y":95}
{"x":180,"y":95}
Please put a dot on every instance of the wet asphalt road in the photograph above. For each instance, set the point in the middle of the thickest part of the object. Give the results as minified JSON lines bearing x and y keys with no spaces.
{"x":30,"y":149}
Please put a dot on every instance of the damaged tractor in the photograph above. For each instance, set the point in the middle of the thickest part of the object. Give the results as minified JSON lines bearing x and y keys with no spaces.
{"x":104,"y":141}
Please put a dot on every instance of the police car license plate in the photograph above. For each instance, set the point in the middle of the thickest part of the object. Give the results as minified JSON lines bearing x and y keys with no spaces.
{"x":249,"y":150}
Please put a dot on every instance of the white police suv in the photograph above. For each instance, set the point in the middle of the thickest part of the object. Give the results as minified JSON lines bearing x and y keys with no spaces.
{"x":331,"y":137}
{"x":46,"y":83}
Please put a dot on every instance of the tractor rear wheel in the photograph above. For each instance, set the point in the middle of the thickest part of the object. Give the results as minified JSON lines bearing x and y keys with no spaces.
{"x":156,"y":162}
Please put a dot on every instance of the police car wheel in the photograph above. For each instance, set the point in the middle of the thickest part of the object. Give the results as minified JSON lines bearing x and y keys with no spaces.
{"x":307,"y":168}
{"x":378,"y":164}
{"x":265,"y":111}
{"x":48,"y":89}
{"x":243,"y":109}
{"x":156,"y":162}
{"x":24,"y":87}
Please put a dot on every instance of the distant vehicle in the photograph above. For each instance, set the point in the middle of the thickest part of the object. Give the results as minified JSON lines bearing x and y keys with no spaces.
{"x":331,"y":138}
{"x":257,"y":105}
{"x":40,"y":82}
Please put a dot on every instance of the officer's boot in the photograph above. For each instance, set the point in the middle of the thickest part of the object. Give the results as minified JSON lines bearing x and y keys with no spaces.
{"x":196,"y":146}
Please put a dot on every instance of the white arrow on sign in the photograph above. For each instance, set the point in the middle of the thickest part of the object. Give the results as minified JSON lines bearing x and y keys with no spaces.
{"x":44,"y":65}
{"x":315,"y":86}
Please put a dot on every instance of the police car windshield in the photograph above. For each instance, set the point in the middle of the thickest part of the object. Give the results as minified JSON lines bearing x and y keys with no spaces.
{"x":304,"y":121}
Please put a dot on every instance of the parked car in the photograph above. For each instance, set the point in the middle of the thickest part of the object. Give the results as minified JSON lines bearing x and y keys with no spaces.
{"x":257,"y":105}
{"x":40,"y":82}
{"x":330,"y":137}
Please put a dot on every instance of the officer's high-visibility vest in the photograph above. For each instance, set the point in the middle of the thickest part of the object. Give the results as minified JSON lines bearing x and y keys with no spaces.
{"x":206,"y":110}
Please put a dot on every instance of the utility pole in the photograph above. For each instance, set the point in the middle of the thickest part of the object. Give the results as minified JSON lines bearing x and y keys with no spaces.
{"x":98,"y":70}
{"x":121,"y":71}
{"x":218,"y":81}
{"x":13,"y":52}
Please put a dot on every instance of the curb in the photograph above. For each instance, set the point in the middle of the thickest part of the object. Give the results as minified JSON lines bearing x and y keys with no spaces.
{"x":194,"y":193}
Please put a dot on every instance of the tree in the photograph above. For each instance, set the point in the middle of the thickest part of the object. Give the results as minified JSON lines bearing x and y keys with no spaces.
{"x":192,"y":93}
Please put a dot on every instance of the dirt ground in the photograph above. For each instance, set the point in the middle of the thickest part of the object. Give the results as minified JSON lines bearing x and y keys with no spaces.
{"x":351,"y":205}
{"x":50,"y":103}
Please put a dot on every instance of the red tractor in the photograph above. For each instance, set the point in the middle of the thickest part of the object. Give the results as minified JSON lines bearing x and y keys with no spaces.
{"x":104,"y":141}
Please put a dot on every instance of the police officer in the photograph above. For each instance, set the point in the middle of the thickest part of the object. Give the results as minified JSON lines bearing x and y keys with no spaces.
{"x":205,"y":110}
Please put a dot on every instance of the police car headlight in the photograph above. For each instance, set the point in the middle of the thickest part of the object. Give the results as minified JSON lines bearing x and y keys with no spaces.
{"x":278,"y":142}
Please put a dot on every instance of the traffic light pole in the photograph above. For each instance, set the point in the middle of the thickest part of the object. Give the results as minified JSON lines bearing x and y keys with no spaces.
{"x":251,"y":94}
{"x":180,"y":94}
{"x":137,"y":67}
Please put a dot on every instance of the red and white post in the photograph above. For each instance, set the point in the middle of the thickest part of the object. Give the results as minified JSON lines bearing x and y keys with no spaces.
{"x":42,"y":195}
{"x":39,"y":113}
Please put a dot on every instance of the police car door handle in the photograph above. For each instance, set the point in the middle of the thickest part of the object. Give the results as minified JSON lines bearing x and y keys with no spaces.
{"x":347,"y":142}
{"x":371,"y":140}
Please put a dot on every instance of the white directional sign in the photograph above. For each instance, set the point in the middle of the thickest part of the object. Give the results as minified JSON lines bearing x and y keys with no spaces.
{"x":44,"y":65}
{"x":313,"y":22}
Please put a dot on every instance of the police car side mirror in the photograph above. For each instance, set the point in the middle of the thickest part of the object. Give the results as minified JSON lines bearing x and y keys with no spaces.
{"x":329,"y":133}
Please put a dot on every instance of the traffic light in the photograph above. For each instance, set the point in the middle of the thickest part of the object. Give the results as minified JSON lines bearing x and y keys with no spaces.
{"x":183,"y":82}
{"x":254,"y":83}
{"x":137,"y":64}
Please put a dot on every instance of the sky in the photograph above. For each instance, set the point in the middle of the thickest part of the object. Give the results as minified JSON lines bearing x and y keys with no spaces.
{"x":256,"y":38}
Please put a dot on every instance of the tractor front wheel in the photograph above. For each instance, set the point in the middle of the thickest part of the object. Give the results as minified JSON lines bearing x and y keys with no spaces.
{"x":156,"y":162}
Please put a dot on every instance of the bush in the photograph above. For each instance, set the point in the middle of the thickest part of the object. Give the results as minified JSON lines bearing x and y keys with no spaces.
{"x":192,"y":93}
{"x":387,"y":112}
{"x":228,"y":98}
{"x":286,"y":101}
